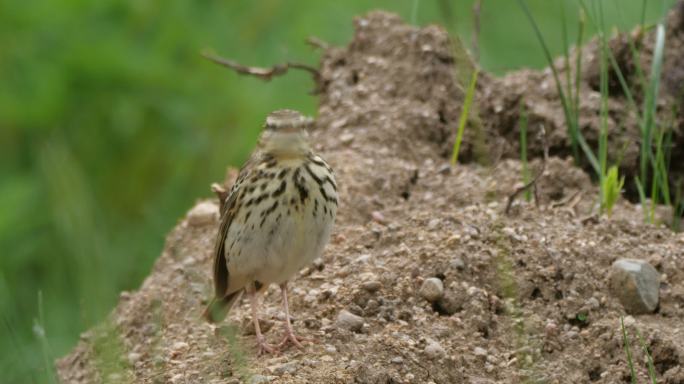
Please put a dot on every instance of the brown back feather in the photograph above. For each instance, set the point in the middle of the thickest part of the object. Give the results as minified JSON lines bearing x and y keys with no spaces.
{"x":229,"y":212}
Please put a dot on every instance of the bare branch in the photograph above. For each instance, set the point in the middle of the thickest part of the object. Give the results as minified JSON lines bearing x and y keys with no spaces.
{"x":265,"y":74}
{"x":317,"y":43}
{"x":533,"y":182}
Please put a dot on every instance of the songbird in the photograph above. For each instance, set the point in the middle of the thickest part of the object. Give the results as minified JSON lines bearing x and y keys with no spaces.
{"x":275,"y":220}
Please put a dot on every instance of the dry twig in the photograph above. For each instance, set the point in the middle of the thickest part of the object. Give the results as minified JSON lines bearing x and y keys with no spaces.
{"x":265,"y":74}
{"x":533,"y":182}
{"x":317,"y":43}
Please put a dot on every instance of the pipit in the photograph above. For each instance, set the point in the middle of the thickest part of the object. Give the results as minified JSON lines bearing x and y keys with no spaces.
{"x":275,"y":220}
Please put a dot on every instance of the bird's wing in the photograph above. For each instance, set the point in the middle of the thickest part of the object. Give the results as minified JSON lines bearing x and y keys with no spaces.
{"x":229,"y":212}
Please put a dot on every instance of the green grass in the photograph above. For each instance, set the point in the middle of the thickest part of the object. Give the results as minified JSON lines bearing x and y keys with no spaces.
{"x":526,"y":176}
{"x":467,"y":103}
{"x":654,"y":138}
{"x":630,"y":360}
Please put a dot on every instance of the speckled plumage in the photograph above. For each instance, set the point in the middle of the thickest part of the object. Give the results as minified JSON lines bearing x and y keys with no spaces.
{"x":277,"y":217}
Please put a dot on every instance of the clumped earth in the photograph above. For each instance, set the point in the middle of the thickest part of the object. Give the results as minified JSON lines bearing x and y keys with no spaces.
{"x":524,"y":296}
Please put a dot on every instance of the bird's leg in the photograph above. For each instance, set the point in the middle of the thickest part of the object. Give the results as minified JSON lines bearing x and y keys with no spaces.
{"x":261,"y":340}
{"x":289,"y":332}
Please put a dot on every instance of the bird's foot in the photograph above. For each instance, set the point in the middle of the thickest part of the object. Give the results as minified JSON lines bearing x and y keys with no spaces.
{"x":290,"y":337}
{"x":264,"y":347}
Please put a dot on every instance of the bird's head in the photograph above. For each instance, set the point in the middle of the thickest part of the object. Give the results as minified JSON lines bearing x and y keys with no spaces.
{"x":285,"y":133}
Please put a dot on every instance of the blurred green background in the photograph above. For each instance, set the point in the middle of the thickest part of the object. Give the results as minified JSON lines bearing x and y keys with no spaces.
{"x":112,"y":125}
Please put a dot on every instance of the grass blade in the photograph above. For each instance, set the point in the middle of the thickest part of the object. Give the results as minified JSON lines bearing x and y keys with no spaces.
{"x":642,"y":196}
{"x":649,"y":115}
{"x":576,"y":138}
{"x":649,"y":359}
{"x":522,"y":123}
{"x":464,"y":116}
{"x":628,"y":352}
{"x":578,"y":64}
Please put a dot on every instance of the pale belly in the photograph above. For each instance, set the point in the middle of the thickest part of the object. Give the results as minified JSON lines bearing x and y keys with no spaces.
{"x":275,"y":252}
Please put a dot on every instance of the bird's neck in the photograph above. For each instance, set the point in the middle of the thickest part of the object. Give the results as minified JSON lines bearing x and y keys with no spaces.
{"x":287,"y":144}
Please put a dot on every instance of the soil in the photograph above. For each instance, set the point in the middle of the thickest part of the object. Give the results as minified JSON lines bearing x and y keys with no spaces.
{"x":526,"y":295}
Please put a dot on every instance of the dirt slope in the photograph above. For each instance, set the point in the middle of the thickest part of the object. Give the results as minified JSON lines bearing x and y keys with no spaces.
{"x":526,"y":294}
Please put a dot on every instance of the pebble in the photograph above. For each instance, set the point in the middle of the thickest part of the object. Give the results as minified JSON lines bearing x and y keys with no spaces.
{"x":458,"y":263}
{"x":180,"y":345}
{"x":572,"y":335}
{"x":432,"y":289}
{"x":445,"y":169}
{"x":593,"y":303}
{"x":347,"y":137}
{"x":434,"y":350}
{"x":281,"y":369}
{"x":397,"y":360}
{"x":349,"y":321}
{"x":134,"y":357}
{"x":259,"y":379}
{"x":450,"y":303}
{"x":371,"y":286}
{"x":629,"y":321}
{"x":636,"y":284}
{"x":202,"y":214}
{"x":480,"y":352}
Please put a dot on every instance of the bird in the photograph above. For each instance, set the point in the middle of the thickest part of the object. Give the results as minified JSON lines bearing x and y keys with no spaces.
{"x":276,"y":219}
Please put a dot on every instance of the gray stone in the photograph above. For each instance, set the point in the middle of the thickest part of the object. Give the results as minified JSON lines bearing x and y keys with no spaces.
{"x":450,"y":303}
{"x":349,"y":321}
{"x":480,"y":352}
{"x":259,"y":379}
{"x":202,"y":214}
{"x":432,"y":289}
{"x":636,"y":284}
{"x":281,"y":369}
{"x":371,"y":286}
{"x":458,"y":263}
{"x":434,"y":350}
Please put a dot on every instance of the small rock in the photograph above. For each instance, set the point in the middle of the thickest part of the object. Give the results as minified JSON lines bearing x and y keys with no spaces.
{"x":636,"y":284}
{"x":371,"y":286}
{"x":281,"y":369}
{"x":202,"y":214}
{"x":572,"y":335}
{"x":330,"y":348}
{"x":593,"y":303}
{"x":432,"y":289}
{"x":397,"y":360}
{"x":629,"y":321}
{"x":551,"y":328}
{"x":378,"y":217}
{"x":347,"y":137}
{"x":134,"y":357}
{"x":349,"y":321}
{"x":480,"y":352}
{"x":434,"y":350}
{"x":445,"y":169}
{"x":259,"y":379}
{"x":450,"y":303}
{"x":180,"y":345}
{"x":458,"y":263}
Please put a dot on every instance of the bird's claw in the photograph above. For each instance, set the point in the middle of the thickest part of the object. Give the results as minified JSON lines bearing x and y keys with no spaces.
{"x":265,"y":348}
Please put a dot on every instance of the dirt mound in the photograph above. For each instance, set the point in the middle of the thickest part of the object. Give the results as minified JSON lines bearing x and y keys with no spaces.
{"x":525,"y":296}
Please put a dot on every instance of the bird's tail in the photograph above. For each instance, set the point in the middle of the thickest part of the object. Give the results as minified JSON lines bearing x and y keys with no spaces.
{"x":218,"y":308}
